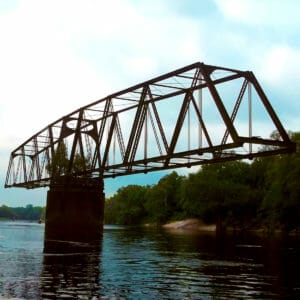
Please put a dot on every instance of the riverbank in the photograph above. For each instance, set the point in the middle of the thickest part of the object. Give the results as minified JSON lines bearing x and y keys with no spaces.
{"x":190,"y":225}
{"x":196,"y":225}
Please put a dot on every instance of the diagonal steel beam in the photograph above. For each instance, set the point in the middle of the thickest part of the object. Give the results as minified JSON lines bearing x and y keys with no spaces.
{"x":268,"y":106}
{"x":219,"y":104}
{"x":178,"y":126}
{"x":136,"y":124}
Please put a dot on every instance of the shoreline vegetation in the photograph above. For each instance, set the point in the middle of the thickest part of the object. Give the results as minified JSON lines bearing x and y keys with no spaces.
{"x":28,"y":213}
{"x":261,"y":195}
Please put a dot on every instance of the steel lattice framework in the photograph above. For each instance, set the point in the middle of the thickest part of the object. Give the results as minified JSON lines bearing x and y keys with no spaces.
{"x":195,"y":115}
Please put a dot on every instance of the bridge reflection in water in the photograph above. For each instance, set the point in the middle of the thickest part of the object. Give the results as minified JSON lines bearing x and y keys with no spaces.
{"x":71,"y":270}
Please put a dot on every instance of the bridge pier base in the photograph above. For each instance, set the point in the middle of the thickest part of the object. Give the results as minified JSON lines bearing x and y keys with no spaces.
{"x":74,"y":213}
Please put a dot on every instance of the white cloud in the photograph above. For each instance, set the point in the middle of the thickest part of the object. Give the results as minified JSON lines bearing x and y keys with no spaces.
{"x":234,"y":9}
{"x":41,"y":76}
{"x":261,"y":12}
{"x":278,"y":70}
{"x":280,"y":66}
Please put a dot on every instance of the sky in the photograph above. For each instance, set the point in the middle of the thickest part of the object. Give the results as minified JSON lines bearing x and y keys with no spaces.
{"x":59,"y":55}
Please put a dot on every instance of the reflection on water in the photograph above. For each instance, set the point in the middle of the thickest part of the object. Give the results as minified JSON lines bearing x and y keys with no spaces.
{"x":147,"y":264}
{"x":72,"y":273}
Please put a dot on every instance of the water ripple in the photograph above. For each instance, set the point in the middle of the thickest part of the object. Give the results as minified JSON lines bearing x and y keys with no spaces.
{"x":149,"y":264}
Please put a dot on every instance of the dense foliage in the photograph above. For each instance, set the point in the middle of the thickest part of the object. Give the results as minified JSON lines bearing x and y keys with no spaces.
{"x":60,"y":162}
{"x":264,"y":193}
{"x":29,"y":212}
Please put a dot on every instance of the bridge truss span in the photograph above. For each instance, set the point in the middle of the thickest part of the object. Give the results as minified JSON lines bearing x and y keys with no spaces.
{"x":195,"y":115}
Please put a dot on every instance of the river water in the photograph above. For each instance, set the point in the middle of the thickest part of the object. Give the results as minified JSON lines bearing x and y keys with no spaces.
{"x":130,"y":263}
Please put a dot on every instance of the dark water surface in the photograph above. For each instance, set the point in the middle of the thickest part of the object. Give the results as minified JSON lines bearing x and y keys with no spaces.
{"x":130,"y":263}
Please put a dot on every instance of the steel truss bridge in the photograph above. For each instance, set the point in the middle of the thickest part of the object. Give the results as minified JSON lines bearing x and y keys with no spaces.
{"x":195,"y":115}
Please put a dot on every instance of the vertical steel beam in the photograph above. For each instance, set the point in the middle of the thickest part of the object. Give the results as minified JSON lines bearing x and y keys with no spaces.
{"x":75,"y":140}
{"x":10,"y":170}
{"x":51,"y":141}
{"x":24,"y":165}
{"x":203,"y":127}
{"x":108,"y":142}
{"x":155,"y":134}
{"x":97,"y":155}
{"x":250,"y":114}
{"x":235,"y":110}
{"x":138,"y":132}
{"x":120,"y":137}
{"x":157,"y":118}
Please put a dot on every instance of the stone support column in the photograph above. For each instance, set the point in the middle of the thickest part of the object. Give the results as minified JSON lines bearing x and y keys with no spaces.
{"x":74,"y":212}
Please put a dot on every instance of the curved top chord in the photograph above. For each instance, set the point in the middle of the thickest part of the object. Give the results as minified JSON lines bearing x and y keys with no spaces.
{"x":195,"y":115}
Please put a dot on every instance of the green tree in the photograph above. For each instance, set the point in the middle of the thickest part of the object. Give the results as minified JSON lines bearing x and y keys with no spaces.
{"x":6,"y":212}
{"x":163,"y":199}
{"x":29,"y":212}
{"x":218,"y":193}
{"x":81,"y":163}
{"x":126,"y":206}
{"x":281,"y":203}
{"x":59,"y":163}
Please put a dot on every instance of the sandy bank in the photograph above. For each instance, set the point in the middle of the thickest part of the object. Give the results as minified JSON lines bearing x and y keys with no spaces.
{"x":190,"y":224}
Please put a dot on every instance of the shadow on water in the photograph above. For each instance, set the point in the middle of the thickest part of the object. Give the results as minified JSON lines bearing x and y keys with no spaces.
{"x":181,"y":265}
{"x":70,"y":270}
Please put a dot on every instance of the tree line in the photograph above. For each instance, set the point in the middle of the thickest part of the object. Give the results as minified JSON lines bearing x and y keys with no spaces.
{"x":264,"y":193}
{"x":29,"y":212}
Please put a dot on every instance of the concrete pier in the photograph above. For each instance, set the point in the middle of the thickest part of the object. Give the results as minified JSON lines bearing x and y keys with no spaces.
{"x":74,"y":212}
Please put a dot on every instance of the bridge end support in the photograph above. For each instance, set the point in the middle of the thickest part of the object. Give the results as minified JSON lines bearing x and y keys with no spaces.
{"x":74,"y":213}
